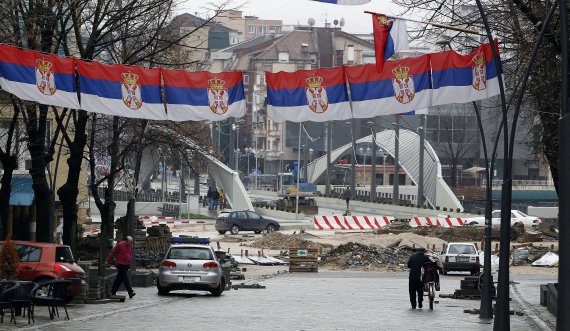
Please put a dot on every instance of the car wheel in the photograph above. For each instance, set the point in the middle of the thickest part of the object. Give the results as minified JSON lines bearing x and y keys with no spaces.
{"x":218,"y":291}
{"x":221,"y":231}
{"x":234,"y":229}
{"x":270,"y":228}
{"x":161,"y":290}
{"x":257,"y":232}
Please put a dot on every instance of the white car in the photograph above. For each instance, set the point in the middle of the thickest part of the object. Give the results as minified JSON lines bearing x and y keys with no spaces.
{"x":516,"y":216}
{"x":459,"y":257}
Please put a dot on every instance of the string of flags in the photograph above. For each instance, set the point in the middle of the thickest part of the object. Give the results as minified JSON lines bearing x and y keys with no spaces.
{"x":409,"y":85}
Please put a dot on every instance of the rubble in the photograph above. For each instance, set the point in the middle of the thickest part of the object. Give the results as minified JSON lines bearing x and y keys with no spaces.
{"x":362,"y":257}
{"x":279,"y":241}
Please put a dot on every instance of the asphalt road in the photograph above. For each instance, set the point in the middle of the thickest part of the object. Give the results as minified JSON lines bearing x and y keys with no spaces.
{"x":302,"y":301}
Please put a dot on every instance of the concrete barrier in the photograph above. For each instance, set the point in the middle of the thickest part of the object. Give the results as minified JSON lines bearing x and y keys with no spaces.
{"x":339,"y":222}
{"x":446,"y":222}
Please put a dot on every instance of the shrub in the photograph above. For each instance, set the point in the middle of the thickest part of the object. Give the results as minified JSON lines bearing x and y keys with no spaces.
{"x":444,"y":208}
{"x":478,"y":212}
{"x":437,"y":208}
{"x":9,"y":260}
{"x":458,"y":210}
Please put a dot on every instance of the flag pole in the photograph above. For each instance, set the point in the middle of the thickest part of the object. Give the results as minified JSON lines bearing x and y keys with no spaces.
{"x":439,"y":25}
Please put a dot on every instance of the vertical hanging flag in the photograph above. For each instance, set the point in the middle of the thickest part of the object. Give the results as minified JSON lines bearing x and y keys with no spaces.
{"x":464,"y":78}
{"x":44,"y":78}
{"x":307,"y":95}
{"x":120,"y":90}
{"x":403,"y":86}
{"x":390,"y":37}
{"x":197,"y":96}
{"x":345,"y":2}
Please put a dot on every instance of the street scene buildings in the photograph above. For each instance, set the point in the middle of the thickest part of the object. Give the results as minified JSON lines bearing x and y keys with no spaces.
{"x":182,"y":127}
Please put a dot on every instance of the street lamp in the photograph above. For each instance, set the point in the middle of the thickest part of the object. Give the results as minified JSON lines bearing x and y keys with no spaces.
{"x":248,"y":151}
{"x":311,"y":155}
{"x":237,"y":151}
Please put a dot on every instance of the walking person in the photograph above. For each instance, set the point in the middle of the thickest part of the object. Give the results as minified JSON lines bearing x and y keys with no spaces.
{"x":216,"y":199}
{"x":222,"y":199}
{"x":210,"y":197}
{"x":122,"y":252}
{"x":347,"y":194}
{"x":416,"y":285}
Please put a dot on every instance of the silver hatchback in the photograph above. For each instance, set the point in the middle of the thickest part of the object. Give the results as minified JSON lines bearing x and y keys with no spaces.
{"x":190,"y":267}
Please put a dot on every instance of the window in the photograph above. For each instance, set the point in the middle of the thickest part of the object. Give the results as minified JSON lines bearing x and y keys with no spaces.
{"x":284,"y":57}
{"x":189,"y":253}
{"x":252,"y":29}
{"x":63,"y":254}
{"x":339,"y":57}
{"x":245,"y":79}
{"x":29,"y":253}
{"x":253,"y":216}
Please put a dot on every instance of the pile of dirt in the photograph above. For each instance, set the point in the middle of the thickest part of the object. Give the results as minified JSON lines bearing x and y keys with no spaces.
{"x":357,"y":256}
{"x":279,"y":241}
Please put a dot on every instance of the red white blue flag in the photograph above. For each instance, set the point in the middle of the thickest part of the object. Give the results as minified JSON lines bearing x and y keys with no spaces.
{"x":120,"y":90}
{"x":390,"y":37}
{"x":403,"y":86}
{"x":345,"y":2}
{"x":307,"y":95}
{"x":198,"y":96}
{"x":44,"y":78}
{"x":463,"y":78}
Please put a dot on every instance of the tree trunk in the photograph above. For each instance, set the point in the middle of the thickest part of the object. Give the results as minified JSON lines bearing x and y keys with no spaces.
{"x":453,"y":175}
{"x":9,"y":162}
{"x":69,"y":191}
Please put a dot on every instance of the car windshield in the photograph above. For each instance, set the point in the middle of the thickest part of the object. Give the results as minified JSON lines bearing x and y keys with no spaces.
{"x":63,"y":254}
{"x":523,"y":214}
{"x":189,"y":253}
{"x":461,"y":249}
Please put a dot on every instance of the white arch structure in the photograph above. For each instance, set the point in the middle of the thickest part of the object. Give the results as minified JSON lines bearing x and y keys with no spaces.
{"x":436,"y":191}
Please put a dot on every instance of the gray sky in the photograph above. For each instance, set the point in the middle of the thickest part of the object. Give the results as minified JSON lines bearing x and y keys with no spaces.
{"x":299,"y":11}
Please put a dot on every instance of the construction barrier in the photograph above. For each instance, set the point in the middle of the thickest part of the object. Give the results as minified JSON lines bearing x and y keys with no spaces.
{"x":157,"y":220}
{"x":339,"y":222}
{"x":446,"y":222}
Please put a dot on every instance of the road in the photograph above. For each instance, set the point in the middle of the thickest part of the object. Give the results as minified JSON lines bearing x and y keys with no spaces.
{"x":305,"y":301}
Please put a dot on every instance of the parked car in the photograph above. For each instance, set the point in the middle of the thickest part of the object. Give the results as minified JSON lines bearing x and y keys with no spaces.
{"x":459,"y":257}
{"x":516,"y":216}
{"x":40,"y":262}
{"x":190,"y":267}
{"x":244,"y":220}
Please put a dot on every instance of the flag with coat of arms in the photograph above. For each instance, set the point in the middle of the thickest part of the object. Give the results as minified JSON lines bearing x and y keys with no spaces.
{"x":390,"y":37}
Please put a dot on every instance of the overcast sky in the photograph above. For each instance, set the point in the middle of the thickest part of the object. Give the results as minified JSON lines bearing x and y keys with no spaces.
{"x":299,"y":11}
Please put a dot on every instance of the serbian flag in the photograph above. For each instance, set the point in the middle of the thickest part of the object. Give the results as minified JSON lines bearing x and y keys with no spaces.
{"x":44,"y":78}
{"x":463,"y":78}
{"x":307,"y":95}
{"x":403,"y":86}
{"x":198,"y":96}
{"x":390,"y":37}
{"x":345,"y":2}
{"x":120,"y":90}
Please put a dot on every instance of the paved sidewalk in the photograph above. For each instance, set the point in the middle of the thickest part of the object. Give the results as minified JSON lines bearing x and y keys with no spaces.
{"x":303,"y":301}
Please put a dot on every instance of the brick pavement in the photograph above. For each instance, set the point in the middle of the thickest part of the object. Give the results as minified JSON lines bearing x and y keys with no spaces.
{"x":316,"y":301}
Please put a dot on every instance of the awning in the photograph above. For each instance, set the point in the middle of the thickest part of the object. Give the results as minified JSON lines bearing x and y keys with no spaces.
{"x":22,"y":193}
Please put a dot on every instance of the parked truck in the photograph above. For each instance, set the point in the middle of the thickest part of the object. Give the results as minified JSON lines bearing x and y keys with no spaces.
{"x":288,"y":190}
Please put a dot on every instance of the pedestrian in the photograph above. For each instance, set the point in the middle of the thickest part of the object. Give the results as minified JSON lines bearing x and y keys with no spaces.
{"x":210,"y":197}
{"x":347,"y":194}
{"x":222,"y":199}
{"x":216,"y":198}
{"x":122,"y":253}
{"x":416,"y":285}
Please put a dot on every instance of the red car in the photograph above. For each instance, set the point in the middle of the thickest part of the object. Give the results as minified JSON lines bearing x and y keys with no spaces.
{"x":43,"y":261}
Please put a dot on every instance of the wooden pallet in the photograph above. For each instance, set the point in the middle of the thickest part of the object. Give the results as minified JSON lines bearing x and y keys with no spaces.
{"x":303,"y":260}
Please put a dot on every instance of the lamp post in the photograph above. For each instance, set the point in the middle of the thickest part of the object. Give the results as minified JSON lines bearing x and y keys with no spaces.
{"x":248,"y":151}
{"x":237,"y":151}
{"x":361,"y":150}
{"x":373,"y":162}
{"x":396,"y":187}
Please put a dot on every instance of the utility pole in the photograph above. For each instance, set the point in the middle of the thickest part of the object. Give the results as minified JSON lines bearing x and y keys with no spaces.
{"x":232,"y":143}
{"x":422,"y":132}
{"x":328,"y":143}
{"x":373,"y":165}
{"x":396,"y":190}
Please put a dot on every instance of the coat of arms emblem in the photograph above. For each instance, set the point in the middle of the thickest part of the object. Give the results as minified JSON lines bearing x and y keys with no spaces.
{"x":317,"y":97}
{"x":403,"y":84}
{"x":45,"y":80}
{"x":218,"y":96}
{"x":479,"y":72}
{"x":131,"y":91}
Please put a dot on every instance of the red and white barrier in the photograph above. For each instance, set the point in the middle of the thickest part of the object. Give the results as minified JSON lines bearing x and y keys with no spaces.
{"x":339,"y":222}
{"x":446,"y":222}
{"x":424,"y":221}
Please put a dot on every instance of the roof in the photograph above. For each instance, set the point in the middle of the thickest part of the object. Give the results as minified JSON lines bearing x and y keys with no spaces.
{"x":22,"y":193}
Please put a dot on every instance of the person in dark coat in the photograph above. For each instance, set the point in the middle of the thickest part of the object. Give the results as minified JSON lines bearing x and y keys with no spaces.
{"x":347,"y":194}
{"x":416,"y":285}
{"x":216,"y":198}
{"x":210,"y":197}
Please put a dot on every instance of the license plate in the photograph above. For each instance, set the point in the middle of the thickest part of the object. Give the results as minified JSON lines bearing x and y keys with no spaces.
{"x":462,"y":259}
{"x":190,"y":279}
